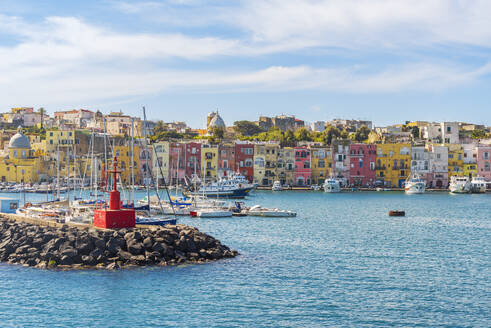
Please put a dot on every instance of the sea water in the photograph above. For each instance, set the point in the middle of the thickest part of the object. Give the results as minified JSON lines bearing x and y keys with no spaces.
{"x":341,"y":262}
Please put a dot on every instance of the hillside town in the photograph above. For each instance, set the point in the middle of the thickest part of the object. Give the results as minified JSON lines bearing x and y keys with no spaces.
{"x":37,"y":147}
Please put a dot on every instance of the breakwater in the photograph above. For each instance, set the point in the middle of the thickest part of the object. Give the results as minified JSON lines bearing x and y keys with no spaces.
{"x":73,"y":247}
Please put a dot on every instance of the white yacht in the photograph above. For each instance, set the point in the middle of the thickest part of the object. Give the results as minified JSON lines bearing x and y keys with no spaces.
{"x":460,"y":185}
{"x":332,"y":185}
{"x":478,"y":185}
{"x":415,"y":185}
{"x":277,"y":186}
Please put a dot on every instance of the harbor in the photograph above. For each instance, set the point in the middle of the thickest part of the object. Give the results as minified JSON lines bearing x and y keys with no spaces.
{"x":341,"y":261}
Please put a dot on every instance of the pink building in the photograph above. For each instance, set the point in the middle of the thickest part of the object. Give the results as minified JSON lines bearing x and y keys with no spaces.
{"x":303,"y":170}
{"x":484,"y":162}
{"x":193,"y":159}
{"x":362,"y":164}
{"x":177,"y":163}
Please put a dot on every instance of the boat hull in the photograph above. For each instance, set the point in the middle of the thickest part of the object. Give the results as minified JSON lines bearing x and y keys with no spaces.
{"x":415,"y":188}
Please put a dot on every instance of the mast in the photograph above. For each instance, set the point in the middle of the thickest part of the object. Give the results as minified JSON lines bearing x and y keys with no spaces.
{"x":132,"y":163}
{"x":146,"y":155}
{"x":105,"y":157}
{"x":58,"y":172}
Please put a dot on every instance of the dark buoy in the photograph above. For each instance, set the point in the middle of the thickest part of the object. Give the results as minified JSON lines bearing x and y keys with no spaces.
{"x":397,"y":213}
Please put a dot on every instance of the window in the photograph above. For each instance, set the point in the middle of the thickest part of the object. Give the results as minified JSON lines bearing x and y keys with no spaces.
{"x":225,"y":164}
{"x":360,"y":163}
{"x":486,"y":167}
{"x":248,"y":162}
{"x":372,"y":166}
{"x":321,"y":163}
{"x":485,"y":155}
{"x":259,"y":162}
{"x":449,"y":129}
{"x":306,"y":165}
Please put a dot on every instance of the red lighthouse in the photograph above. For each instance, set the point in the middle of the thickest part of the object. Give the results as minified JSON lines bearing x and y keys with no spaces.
{"x":114,"y":217}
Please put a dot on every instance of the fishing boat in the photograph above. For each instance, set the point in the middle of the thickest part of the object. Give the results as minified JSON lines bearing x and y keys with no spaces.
{"x":154,"y":221}
{"x":332,"y":185}
{"x":415,"y":185}
{"x":460,"y":185}
{"x":478,"y":185}
{"x":258,"y":210}
{"x":277,"y":186}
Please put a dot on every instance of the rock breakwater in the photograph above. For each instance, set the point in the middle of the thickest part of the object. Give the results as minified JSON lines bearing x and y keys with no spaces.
{"x":69,"y":247}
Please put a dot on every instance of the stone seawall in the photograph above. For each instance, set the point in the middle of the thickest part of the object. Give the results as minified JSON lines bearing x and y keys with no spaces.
{"x":78,"y":247}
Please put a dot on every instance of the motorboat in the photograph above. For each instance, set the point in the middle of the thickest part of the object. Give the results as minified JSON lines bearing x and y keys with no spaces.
{"x":143,"y":220}
{"x":415,"y":185}
{"x":332,"y":185}
{"x":316,"y":187}
{"x":460,"y":185}
{"x":211,"y":213}
{"x":258,"y":210}
{"x":478,"y":185}
{"x":277,"y":186}
{"x":233,"y":186}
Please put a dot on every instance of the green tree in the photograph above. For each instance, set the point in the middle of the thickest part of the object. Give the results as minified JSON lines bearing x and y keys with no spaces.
{"x":159,"y":127}
{"x":329,"y":133}
{"x":247,"y":128}
{"x":362,"y":134}
{"x":303,"y":134}
{"x":478,"y":134}
{"x":218,"y":132}
{"x":415,"y":132}
{"x":288,"y":139}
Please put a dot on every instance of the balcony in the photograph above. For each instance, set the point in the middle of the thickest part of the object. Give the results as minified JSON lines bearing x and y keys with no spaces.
{"x":382,"y":167}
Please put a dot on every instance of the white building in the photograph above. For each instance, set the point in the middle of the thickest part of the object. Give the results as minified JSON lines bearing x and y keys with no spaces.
{"x":450,"y":132}
{"x":420,"y":160}
{"x":318,"y":126}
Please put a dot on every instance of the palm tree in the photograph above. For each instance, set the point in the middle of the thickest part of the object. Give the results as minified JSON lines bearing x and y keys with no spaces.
{"x":42,"y":111}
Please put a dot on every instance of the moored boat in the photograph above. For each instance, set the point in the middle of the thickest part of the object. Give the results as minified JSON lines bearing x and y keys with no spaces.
{"x":459,"y":185}
{"x":277,"y":186}
{"x":478,"y":185}
{"x":415,"y":185}
{"x":332,"y":185}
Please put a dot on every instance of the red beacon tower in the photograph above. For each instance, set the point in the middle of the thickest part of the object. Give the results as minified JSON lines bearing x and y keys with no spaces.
{"x":114,"y":217}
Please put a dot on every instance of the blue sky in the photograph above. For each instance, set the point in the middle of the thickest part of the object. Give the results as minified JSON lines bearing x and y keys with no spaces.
{"x":382,"y":60}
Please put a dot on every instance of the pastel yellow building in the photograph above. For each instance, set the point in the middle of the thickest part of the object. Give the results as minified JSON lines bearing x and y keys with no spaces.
{"x":455,"y":160}
{"x":209,"y":162}
{"x":265,"y":159}
{"x":470,"y":169}
{"x":161,"y":161}
{"x":285,"y":166}
{"x":21,"y":165}
{"x":321,"y":164}
{"x":58,"y":139}
{"x":393,"y":164}
{"x":123,"y":154}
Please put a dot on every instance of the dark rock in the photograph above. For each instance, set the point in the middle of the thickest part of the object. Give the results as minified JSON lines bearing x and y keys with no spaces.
{"x":157,"y":247}
{"x":125,"y":255}
{"x":22,"y":249}
{"x":135,"y":248}
{"x":70,"y":252}
{"x":148,"y":243}
{"x":88,"y":260}
{"x":66,"y":260}
{"x":100,"y":244}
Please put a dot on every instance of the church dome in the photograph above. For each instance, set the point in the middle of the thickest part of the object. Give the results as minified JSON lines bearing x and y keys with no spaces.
{"x":216,"y":122}
{"x":19,"y":140}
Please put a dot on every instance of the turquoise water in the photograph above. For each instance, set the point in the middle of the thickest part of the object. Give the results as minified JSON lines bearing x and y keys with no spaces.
{"x":341,"y":262}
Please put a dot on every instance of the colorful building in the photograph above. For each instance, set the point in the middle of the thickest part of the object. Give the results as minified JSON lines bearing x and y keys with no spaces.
{"x":209,"y":162}
{"x":21,"y":165}
{"x":160,"y":161}
{"x":193,"y":159}
{"x":362,"y":164}
{"x":303,"y":169}
{"x":455,"y":160}
{"x":321,"y":164}
{"x":177,"y":163}
{"x":438,"y":177}
{"x":226,"y":159}
{"x":285,"y":166}
{"x":244,"y":160}
{"x":393,"y":164}
{"x":341,"y":162}
{"x":484,"y":162}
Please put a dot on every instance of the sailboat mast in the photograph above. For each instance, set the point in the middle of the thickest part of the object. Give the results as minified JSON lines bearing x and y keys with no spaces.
{"x":146,"y":154}
{"x":132,"y":159}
